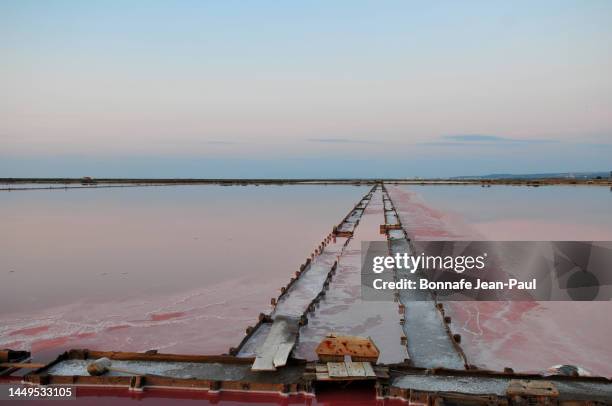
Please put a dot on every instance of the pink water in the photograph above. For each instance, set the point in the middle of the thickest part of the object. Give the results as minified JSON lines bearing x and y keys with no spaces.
{"x":527,"y":336}
{"x":178,"y":269}
{"x":185,"y":269}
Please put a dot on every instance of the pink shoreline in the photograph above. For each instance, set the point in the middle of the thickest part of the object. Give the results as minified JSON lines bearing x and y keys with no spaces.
{"x":32,"y":331}
{"x":166,"y":316}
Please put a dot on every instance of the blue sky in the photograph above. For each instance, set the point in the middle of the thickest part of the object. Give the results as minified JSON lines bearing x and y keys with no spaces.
{"x":310,"y":89}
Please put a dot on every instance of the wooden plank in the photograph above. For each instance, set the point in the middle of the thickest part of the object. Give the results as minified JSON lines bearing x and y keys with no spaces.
{"x":369,"y":371}
{"x":355,"y":368}
{"x":263,"y":364}
{"x":520,"y":387}
{"x":282,"y":354}
{"x":337,"y":370}
{"x":275,"y":349}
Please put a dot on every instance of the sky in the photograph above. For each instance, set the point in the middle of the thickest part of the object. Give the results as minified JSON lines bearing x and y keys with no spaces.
{"x":304,"y":89}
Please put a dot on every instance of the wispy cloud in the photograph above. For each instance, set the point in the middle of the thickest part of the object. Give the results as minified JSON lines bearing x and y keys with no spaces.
{"x":492,"y":138}
{"x":475,"y":137}
{"x":466,"y":140}
{"x":447,"y":144}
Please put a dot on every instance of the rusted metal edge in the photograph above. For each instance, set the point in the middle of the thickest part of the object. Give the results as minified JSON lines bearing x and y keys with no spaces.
{"x":139,"y":382}
{"x":82,"y":354}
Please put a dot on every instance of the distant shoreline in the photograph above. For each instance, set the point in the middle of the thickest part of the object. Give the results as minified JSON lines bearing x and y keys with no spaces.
{"x":6,"y":183}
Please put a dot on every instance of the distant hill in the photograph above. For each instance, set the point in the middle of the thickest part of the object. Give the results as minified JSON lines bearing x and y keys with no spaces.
{"x":561,"y":175}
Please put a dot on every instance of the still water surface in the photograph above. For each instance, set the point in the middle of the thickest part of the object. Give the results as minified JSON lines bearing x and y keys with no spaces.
{"x":174,"y":268}
{"x":185,"y":269}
